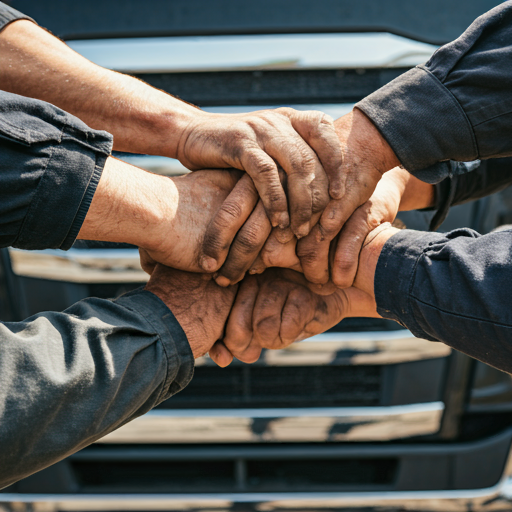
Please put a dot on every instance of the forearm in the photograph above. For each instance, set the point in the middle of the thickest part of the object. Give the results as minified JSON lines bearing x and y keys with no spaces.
{"x":452,"y":287}
{"x":130,"y":206}
{"x":141,"y":118}
{"x":67,"y":379}
{"x":445,"y":109}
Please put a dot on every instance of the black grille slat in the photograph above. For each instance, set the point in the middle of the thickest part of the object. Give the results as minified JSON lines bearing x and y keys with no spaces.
{"x":280,"y":386}
{"x":272,"y":87}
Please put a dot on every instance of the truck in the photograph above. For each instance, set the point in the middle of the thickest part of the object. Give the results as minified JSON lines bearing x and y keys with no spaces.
{"x":362,"y":417}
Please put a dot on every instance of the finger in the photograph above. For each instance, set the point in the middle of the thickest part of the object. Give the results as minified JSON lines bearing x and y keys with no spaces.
{"x":317,"y":129}
{"x":264,"y":173}
{"x":313,"y":250}
{"x":220,"y":355}
{"x":245,"y":247}
{"x":223,"y":228}
{"x":298,"y":310}
{"x":348,"y":247}
{"x":147,"y":263}
{"x":307,"y":183}
{"x":266,"y":317}
{"x":277,"y":254}
{"x":238,"y":334}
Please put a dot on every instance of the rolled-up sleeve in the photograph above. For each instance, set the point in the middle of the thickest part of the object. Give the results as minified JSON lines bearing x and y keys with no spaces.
{"x":455,"y":107}
{"x":452,"y":287}
{"x":50,"y":166}
{"x":67,"y":379}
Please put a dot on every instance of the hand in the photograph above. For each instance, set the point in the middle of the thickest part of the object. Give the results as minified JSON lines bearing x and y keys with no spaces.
{"x":277,"y":308}
{"x":167,"y":218}
{"x":304,"y":144}
{"x":366,"y":156}
{"x":200,"y":306}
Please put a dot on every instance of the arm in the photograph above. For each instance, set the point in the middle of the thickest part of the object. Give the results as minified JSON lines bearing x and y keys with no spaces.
{"x":146,"y":120}
{"x":68,"y":379}
{"x":447,"y":108}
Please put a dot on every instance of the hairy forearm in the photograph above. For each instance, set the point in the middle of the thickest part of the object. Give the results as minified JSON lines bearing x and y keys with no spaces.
{"x":130,"y":206}
{"x":142,"y":119}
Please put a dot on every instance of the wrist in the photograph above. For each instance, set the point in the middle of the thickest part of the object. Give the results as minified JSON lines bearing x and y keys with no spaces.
{"x":369,"y":257}
{"x":130,"y":206}
{"x":370,"y":143}
{"x":170,"y":124}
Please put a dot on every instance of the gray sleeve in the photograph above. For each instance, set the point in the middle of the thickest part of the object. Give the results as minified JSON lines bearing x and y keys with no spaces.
{"x":8,"y":15}
{"x":50,"y":165}
{"x":67,"y":379}
{"x":455,"y":107}
{"x":452,"y":287}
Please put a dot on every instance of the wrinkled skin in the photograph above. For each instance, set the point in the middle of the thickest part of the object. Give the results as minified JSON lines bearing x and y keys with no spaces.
{"x":201,"y":311}
{"x":303,"y":144}
{"x":277,"y":308}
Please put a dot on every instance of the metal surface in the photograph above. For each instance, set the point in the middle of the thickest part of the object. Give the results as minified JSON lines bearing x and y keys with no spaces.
{"x":435,"y":21}
{"x":80,"y":265}
{"x":281,"y":425}
{"x":492,"y":499}
{"x":234,"y":53}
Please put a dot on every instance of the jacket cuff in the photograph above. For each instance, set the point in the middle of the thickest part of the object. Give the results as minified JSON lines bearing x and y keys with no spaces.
{"x":66,"y":189}
{"x":421,"y":120}
{"x":8,"y":15}
{"x":395,"y":275}
{"x":180,"y":360}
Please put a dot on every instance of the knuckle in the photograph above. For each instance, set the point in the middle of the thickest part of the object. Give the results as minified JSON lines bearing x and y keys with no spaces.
{"x":248,"y":240}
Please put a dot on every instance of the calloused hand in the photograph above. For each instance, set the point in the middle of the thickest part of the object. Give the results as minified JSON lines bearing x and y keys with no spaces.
{"x":199,"y":304}
{"x":304,"y":144}
{"x":276,"y":308}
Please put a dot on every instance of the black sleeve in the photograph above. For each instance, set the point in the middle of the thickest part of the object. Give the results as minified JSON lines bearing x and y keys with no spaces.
{"x":8,"y":14}
{"x":452,"y":287}
{"x":484,"y":179}
{"x":457,"y":106}
{"x":67,"y":379}
{"x":50,"y":166}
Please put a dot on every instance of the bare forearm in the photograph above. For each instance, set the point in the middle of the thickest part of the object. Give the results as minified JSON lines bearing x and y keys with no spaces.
{"x":130,"y":206}
{"x":142,"y":119}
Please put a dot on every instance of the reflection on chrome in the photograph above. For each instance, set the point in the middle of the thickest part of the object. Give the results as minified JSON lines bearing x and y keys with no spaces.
{"x":254,"y":52}
{"x":281,"y":425}
{"x":80,"y":265}
{"x":493,"y":499}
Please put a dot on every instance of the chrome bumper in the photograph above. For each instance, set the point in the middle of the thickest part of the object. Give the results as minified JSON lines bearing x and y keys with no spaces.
{"x":493,"y":499}
{"x":281,"y":425}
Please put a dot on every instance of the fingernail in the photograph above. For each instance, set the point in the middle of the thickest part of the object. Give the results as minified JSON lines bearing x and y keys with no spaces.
{"x":282,"y":220}
{"x":223,"y":281}
{"x":208,"y":264}
{"x":302,"y":230}
{"x":336,"y":192}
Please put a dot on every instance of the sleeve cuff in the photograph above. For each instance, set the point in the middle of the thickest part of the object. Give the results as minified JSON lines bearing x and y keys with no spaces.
{"x":395,"y":273}
{"x":8,"y":15}
{"x":180,"y":360}
{"x":421,"y":120}
{"x":66,"y":189}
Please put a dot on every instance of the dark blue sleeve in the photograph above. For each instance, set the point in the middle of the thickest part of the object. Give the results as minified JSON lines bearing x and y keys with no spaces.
{"x":8,"y":15}
{"x":50,"y":166}
{"x":453,"y":287}
{"x":67,"y":379}
{"x":457,"y":106}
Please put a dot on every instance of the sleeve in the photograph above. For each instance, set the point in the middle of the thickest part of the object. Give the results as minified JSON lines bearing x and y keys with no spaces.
{"x":67,"y":379}
{"x":8,"y":14}
{"x":483,"y":179}
{"x":50,"y":166}
{"x":452,"y":287}
{"x":455,"y":107}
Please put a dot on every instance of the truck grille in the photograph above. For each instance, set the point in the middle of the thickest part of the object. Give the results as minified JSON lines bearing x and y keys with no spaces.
{"x":280,"y":87}
{"x":244,"y":475}
{"x":280,"y":386}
